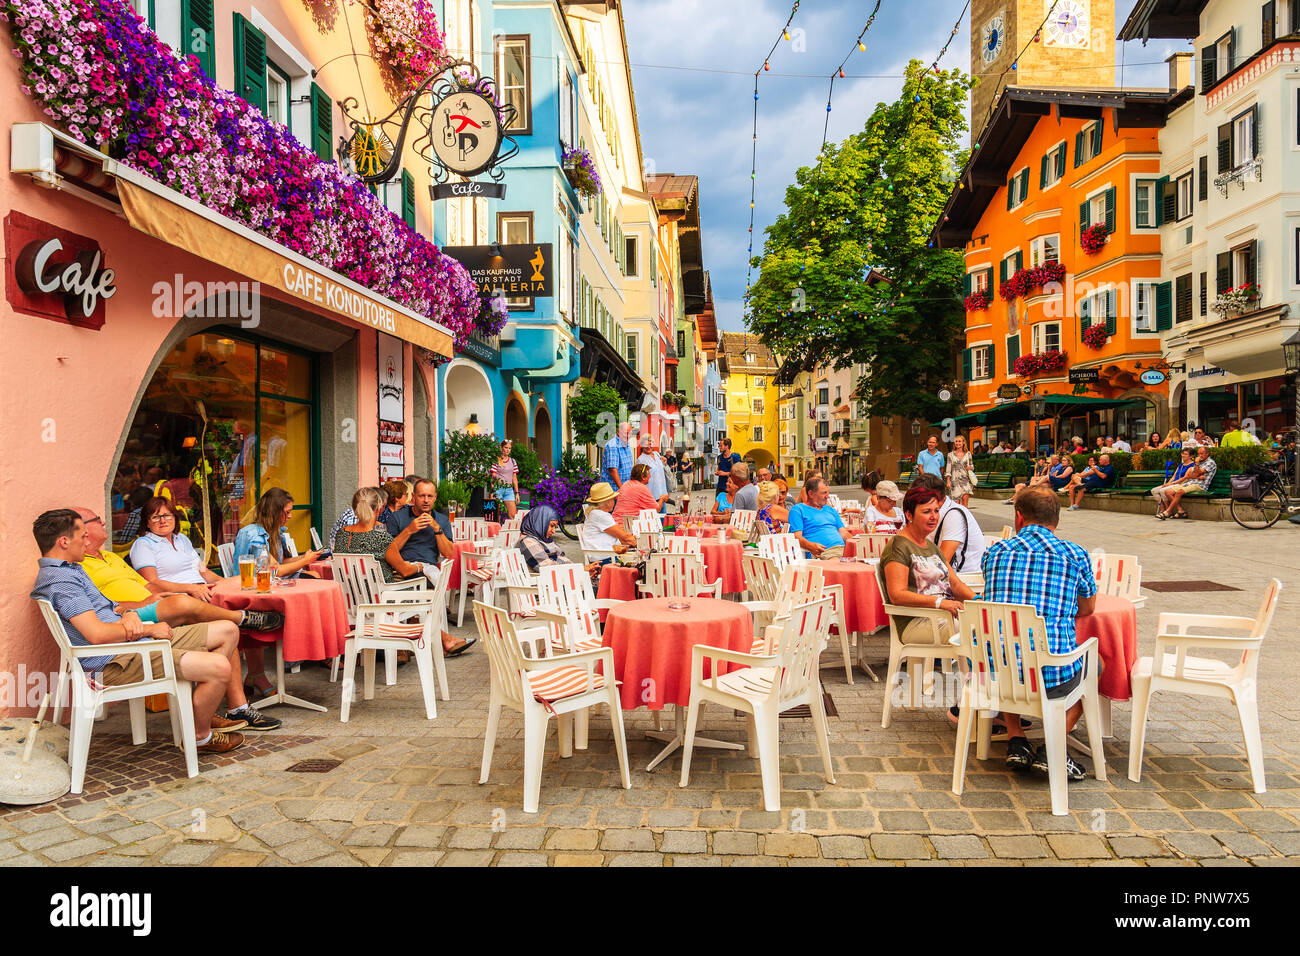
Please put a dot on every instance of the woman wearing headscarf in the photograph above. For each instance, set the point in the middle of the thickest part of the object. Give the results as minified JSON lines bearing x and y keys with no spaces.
{"x":536,"y":541}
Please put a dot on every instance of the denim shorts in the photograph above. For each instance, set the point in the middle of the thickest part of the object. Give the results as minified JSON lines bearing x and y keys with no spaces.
{"x":505,"y":494}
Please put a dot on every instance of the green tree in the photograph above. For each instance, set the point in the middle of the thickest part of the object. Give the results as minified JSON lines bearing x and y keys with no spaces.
{"x":588,"y":403}
{"x":847,"y":274}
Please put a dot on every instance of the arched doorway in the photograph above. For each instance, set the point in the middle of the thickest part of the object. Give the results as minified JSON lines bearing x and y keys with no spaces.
{"x":469,"y":396}
{"x":542,"y":430}
{"x":516,"y":420}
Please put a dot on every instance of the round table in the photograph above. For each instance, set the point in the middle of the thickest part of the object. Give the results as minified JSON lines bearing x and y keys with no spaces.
{"x":322,"y":569}
{"x":617,"y":583}
{"x":1114,"y":624}
{"x":652,"y":648}
{"x":315,"y":624}
{"x":864,"y":611}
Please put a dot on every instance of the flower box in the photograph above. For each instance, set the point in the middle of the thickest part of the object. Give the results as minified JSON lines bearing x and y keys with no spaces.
{"x":1094,"y":238}
{"x":977,"y":301}
{"x":1094,"y":336}
{"x":1039,"y":363}
{"x":1026,"y":281}
{"x":1236,"y":301}
{"x":580,"y":169}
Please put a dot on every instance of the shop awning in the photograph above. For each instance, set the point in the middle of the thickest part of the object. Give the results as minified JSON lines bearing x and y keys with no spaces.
{"x":601,"y":362}
{"x":1058,"y":406}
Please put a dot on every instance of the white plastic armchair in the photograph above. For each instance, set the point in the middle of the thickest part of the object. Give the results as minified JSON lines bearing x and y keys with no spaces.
{"x":764,"y":687}
{"x":477,"y":570}
{"x":87,"y":698}
{"x":650,"y":517}
{"x":680,"y":544}
{"x":1207,"y":677}
{"x":469,"y":529}
{"x":761,"y":577}
{"x":783,"y":549}
{"x":1119,"y":575}
{"x":407,"y":622}
{"x":742,"y":520}
{"x":870,"y":545}
{"x":1005,"y":646}
{"x":362,"y":582}
{"x":541,"y":688}
{"x":226,"y":555}
{"x":920,"y":657}
{"x":678,"y":575}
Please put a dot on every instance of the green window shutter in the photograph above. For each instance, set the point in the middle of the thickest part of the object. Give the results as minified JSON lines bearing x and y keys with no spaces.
{"x":1084,"y":216}
{"x":1060,"y":161}
{"x":250,"y":63}
{"x":1223,"y":272}
{"x":1208,"y":67}
{"x":322,"y":124}
{"x":408,"y":199}
{"x":1110,"y":311}
{"x":965,"y":365}
{"x":993,"y":361}
{"x":1078,"y":149}
{"x":1013,"y":351}
{"x":1042,"y":173}
{"x":1085,"y":315}
{"x":1204,"y":185}
{"x":1024,"y":184}
{"x":1225,"y":147}
{"x":1096,"y":138}
{"x":1110,"y":209}
{"x":966,"y":287}
{"x":1011,"y":192}
{"x":1164,"y":307}
{"x":198,"y":22}
{"x":1254,"y":131}
{"x":1252,"y":263}
{"x":1232,"y":48}
{"x":1166,"y":200}
{"x":1020,"y":260}
{"x":988,"y":283}
{"x":1270,"y":22}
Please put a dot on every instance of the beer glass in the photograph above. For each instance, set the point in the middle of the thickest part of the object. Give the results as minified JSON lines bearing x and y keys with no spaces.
{"x":246,"y":577}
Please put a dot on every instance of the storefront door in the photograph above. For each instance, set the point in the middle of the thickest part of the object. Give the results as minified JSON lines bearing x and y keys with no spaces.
{"x":226,"y":417}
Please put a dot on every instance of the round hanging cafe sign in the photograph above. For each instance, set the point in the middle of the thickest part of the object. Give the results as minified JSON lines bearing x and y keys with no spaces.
{"x":468,"y":134}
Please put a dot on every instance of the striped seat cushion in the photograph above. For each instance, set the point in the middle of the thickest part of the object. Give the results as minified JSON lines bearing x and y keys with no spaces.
{"x":409,"y":632}
{"x":561,"y":682}
{"x":590,"y":644}
{"x":480,"y":573}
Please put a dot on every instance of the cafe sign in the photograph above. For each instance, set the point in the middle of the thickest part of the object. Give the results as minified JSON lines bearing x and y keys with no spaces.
{"x":56,"y":274}
{"x":521,"y":269}
{"x":1009,"y":393}
{"x":1084,"y":376}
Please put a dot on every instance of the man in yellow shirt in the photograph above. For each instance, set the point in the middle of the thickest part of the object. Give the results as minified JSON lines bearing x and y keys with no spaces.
{"x":1234,"y":437}
{"x":123,"y":585}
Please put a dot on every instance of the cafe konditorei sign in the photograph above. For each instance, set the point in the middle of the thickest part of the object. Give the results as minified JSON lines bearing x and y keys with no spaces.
{"x":522,"y":269}
{"x":455,"y":120}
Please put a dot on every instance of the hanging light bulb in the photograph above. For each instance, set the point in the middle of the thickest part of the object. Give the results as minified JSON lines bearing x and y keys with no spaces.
{"x":862,"y":46}
{"x":767,"y":65}
{"x":841,"y":73}
{"x":785,"y":34}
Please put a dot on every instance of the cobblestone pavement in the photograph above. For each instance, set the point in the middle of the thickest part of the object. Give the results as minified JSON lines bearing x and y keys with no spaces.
{"x":406,"y":791}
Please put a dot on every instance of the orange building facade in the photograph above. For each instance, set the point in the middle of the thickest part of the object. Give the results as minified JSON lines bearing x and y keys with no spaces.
{"x":1058,"y":213}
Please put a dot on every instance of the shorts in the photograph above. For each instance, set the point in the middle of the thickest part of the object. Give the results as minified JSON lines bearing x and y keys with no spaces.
{"x":505,"y":494}
{"x":148,"y":613}
{"x":1092,"y":484}
{"x":129,"y":668}
{"x":1066,"y":687}
{"x":919,"y":630}
{"x":1058,"y":483}
{"x":831,"y":554}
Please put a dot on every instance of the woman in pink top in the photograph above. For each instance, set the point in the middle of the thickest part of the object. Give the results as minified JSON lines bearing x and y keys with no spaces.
{"x":634,"y":494}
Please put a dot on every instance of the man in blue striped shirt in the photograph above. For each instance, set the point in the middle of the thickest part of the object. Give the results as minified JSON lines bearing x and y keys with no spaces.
{"x":1055,"y":576}
{"x":201,"y":653}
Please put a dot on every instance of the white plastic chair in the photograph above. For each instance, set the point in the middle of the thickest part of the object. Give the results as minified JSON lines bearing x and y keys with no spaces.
{"x":680,"y":544}
{"x":742,"y":520}
{"x":1005,"y":646}
{"x":508,"y":538}
{"x":783,"y":549}
{"x":315,"y":541}
{"x":87,"y":699}
{"x":226,"y":555}
{"x":917,"y":657}
{"x":469,"y":529}
{"x":541,"y":688}
{"x":800,"y":584}
{"x":477,"y":570}
{"x":515,"y":583}
{"x":678,"y":575}
{"x":769,"y":685}
{"x":834,"y":501}
{"x":651,"y":517}
{"x":1119,"y":575}
{"x":407,"y":623}
{"x":761,"y":577}
{"x":363,"y":583}
{"x":870,"y":545}
{"x":1205,"y":677}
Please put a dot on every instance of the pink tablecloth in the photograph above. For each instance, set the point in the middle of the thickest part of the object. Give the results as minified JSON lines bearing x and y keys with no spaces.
{"x":722,"y":560}
{"x":315,"y":617}
{"x":652,"y":645}
{"x":617,"y":583}
{"x":323,"y":570}
{"x":863,"y":609}
{"x":1114,"y":624}
{"x":453,"y":583}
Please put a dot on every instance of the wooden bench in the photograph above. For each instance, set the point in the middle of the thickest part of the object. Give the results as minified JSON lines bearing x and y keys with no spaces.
{"x":905,"y":478}
{"x":1139,"y":483}
{"x":1220,"y":486}
{"x":994,"y":479}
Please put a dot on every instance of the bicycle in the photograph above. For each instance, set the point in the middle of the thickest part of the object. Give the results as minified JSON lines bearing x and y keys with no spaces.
{"x":1272,"y":504}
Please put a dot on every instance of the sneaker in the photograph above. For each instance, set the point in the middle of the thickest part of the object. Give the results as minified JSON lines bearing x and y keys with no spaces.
{"x":1073,"y":508}
{"x":228,"y":723}
{"x":1009,"y":501}
{"x":1074,"y":772}
{"x":1020,"y":756}
{"x":263,"y":620}
{"x":254,"y":719}
{"x":221,"y":743}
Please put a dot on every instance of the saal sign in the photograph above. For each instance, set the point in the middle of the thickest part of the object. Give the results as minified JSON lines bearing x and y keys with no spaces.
{"x":56,"y":274}
{"x":1152,"y":377}
{"x":522,"y":269}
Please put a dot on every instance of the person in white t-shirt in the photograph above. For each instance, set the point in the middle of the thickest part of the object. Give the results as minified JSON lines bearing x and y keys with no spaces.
{"x":882,"y":507}
{"x":604,"y":532}
{"x":959,"y":536}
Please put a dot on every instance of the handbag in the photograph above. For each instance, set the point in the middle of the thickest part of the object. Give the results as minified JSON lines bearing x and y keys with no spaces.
{"x":1245,"y":487}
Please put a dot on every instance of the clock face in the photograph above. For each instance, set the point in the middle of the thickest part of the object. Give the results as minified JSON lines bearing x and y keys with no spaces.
{"x":993,"y":36}
{"x":1069,"y":24}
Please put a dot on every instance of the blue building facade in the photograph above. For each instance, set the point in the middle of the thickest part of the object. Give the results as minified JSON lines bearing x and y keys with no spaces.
{"x":516,"y":385}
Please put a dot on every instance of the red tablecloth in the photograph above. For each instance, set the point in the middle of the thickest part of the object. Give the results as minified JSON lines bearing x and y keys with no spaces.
{"x":453,"y":583}
{"x":863,"y":609}
{"x":323,"y":570}
{"x":652,"y":645}
{"x":617,"y":583}
{"x":1114,"y":624}
{"x":722,"y":560}
{"x":315,"y":617}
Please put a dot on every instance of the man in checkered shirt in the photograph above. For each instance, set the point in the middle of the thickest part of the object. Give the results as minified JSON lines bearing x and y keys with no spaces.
{"x":1056,"y":577}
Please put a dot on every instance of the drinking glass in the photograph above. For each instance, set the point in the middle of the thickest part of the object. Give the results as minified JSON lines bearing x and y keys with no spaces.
{"x":247,"y":580}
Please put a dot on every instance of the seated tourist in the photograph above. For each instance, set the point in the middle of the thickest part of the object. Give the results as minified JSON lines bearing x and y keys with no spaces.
{"x":634,"y":494}
{"x":772,"y":514}
{"x":763,"y":474}
{"x":1196,"y":478}
{"x":1121,"y":444}
{"x":366,"y":535}
{"x":783,"y":490}
{"x":883,"y":507}
{"x":130,"y":591}
{"x":1059,"y":475}
{"x":537,"y":540}
{"x":398,"y":495}
{"x":958,"y":534}
{"x":166,"y":559}
{"x":745,"y":497}
{"x":201,"y":653}
{"x":134,"y":516}
{"x":1042,"y":468}
{"x":1099,"y":474}
{"x":817,"y":526}
{"x":722,"y":501}
{"x":601,"y":530}
{"x":1161,"y":492}
{"x":1056,"y":577}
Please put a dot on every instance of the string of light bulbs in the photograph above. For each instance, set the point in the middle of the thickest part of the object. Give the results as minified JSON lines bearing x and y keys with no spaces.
{"x":1015,"y":63}
{"x":860,"y":45}
{"x":753,"y":151}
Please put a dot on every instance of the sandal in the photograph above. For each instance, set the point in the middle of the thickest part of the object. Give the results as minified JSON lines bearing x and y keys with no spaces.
{"x":460,"y":649}
{"x":1181,"y":514}
{"x":1161,"y":515}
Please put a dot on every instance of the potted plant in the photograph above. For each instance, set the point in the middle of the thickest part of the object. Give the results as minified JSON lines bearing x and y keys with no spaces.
{"x":1094,"y":238}
{"x":580,"y":169}
{"x":1236,"y":301}
{"x":468,"y":459}
{"x":1039,"y":363}
{"x":1094,"y":336}
{"x":977,"y":301}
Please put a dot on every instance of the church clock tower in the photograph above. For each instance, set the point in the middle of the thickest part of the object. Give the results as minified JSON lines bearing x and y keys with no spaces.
{"x":1072,"y":49}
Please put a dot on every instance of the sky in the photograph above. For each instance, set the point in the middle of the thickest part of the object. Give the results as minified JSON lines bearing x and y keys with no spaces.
{"x":693,"y":64}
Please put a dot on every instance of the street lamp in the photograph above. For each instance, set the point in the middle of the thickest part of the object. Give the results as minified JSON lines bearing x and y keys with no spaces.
{"x":916,"y":434}
{"x":1291,"y":361}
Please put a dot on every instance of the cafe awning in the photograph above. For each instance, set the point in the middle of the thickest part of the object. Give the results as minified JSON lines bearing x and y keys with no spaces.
{"x":1058,"y":406}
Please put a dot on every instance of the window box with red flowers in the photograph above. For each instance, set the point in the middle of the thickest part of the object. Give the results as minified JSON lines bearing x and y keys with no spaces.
{"x":1236,"y":301}
{"x":977,"y":301}
{"x":1094,"y":238}
{"x":1026,"y":281}
{"x":1039,"y":363}
{"x":1094,"y":336}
